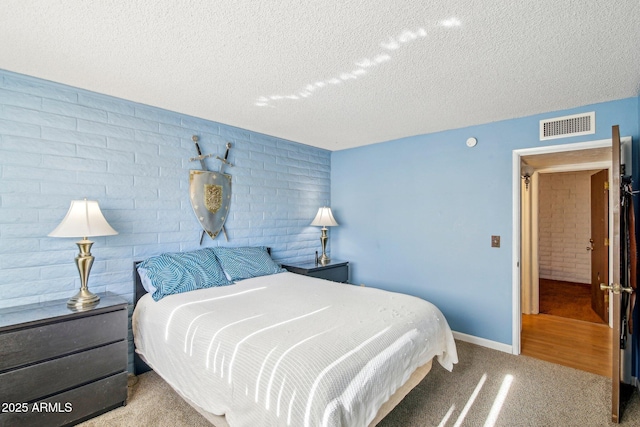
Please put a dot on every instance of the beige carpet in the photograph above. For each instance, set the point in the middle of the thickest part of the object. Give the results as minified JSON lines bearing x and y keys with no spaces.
{"x":533,"y":392}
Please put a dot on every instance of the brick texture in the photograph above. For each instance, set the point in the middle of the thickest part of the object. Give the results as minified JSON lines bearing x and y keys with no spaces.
{"x":58,"y":143}
{"x":565,"y":226}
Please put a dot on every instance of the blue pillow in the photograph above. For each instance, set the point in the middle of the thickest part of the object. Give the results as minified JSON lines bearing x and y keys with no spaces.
{"x":173,"y":273}
{"x":247,"y":262}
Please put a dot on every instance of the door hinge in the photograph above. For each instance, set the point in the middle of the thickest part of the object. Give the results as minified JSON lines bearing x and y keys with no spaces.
{"x":606,"y":241}
{"x":606,"y":185}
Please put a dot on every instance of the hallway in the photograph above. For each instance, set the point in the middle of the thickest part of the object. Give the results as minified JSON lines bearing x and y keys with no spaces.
{"x":569,"y":342}
{"x":567,"y":299}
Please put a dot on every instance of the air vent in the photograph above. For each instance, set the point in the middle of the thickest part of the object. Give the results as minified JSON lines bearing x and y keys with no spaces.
{"x":564,"y":127}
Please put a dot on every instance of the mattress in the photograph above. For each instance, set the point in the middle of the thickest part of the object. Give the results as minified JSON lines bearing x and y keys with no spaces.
{"x":290,"y":350}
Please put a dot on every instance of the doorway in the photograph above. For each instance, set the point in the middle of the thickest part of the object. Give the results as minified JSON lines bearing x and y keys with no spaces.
{"x":571,"y":229}
{"x":572,"y":244}
{"x":590,"y":155}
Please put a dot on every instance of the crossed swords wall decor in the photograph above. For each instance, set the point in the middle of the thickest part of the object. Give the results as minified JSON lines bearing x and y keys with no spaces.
{"x":210,"y":193}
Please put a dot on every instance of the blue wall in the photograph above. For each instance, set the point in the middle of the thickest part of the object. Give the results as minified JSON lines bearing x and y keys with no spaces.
{"x":417,"y":214}
{"x":59,"y":143}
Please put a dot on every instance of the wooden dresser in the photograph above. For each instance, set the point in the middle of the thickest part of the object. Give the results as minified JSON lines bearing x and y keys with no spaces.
{"x":59,"y":367}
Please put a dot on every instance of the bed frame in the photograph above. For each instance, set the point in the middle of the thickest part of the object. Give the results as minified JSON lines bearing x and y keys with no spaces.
{"x":139,"y":365}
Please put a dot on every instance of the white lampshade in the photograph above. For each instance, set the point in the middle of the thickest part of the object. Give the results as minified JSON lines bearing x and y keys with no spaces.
{"x":324,"y":217}
{"x":84,"y":219}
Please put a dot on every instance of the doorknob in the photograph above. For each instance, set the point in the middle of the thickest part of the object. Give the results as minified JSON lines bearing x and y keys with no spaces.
{"x":615,"y":288}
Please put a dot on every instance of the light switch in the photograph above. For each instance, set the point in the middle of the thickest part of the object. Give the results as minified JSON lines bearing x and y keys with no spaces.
{"x":495,"y":241}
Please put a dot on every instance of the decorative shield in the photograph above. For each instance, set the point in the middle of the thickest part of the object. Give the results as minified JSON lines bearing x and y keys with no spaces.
{"x":210,"y":194}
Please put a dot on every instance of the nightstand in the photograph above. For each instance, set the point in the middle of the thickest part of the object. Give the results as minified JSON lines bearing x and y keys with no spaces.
{"x":59,"y":367}
{"x":337,"y":271}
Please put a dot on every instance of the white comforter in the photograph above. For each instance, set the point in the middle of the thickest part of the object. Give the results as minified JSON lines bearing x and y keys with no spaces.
{"x":290,"y":350}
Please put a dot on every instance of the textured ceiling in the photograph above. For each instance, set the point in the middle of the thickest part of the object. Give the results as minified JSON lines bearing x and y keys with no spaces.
{"x":333,"y":74}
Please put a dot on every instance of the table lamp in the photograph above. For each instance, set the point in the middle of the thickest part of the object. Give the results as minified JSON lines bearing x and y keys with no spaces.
{"x":324,"y":218}
{"x":84,"y":219}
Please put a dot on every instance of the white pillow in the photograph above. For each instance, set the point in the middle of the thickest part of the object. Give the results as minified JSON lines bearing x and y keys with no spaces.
{"x":146,"y":282}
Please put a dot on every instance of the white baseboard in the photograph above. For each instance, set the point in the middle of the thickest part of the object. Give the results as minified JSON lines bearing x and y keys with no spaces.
{"x":483,"y":342}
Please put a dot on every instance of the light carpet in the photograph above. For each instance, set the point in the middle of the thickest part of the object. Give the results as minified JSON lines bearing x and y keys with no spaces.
{"x":487,"y":388}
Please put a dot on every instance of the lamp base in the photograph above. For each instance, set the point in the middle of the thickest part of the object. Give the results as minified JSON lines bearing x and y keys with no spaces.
{"x":324,"y":259}
{"x":83,"y":300}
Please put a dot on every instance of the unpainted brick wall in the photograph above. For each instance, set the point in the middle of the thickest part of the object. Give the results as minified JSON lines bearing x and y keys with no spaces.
{"x":565,"y":226}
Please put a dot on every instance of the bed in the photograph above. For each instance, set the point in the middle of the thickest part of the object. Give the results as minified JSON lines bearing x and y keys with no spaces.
{"x":282,"y":349}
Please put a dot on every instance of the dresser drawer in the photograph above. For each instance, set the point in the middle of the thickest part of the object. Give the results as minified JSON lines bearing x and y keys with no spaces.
{"x":31,"y":382}
{"x":29,"y":345}
{"x":335,"y":274}
{"x":72,"y":406}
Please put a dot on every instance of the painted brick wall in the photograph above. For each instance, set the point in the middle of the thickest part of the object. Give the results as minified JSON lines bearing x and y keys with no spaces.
{"x":58,"y":143}
{"x":565,"y":226}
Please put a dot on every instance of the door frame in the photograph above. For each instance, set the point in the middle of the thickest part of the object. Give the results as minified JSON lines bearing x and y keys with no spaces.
{"x":516,"y":327}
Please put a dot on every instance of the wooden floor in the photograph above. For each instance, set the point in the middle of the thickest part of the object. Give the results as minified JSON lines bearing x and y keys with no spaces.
{"x":567,"y":299}
{"x":574,"y":343}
